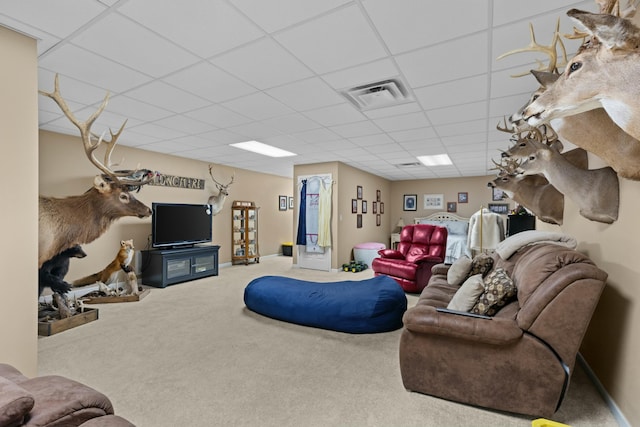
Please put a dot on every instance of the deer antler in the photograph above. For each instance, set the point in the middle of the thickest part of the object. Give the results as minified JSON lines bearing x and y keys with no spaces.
{"x":506,"y":127}
{"x":550,"y":51}
{"x":88,"y":139}
{"x":507,"y":166}
{"x":218,"y":183}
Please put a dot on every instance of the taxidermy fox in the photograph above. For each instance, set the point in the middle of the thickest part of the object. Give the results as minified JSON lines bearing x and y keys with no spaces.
{"x":110,"y":272}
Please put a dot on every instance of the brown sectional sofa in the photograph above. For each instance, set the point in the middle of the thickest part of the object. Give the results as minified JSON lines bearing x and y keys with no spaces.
{"x":52,"y":401}
{"x":520,"y":360}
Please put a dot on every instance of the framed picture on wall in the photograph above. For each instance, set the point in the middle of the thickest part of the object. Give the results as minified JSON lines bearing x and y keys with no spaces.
{"x":410,"y":202}
{"x":359,"y":221}
{"x":463,"y":197}
{"x":377,"y":195}
{"x":499,"y":208}
{"x":378,"y":220}
{"x":290,"y":202}
{"x":452,"y":207}
{"x":354,"y":205}
{"x":381,"y":207}
{"x":434,"y":201}
{"x":364,"y":206}
{"x":374,"y":207}
{"x":497,"y":194}
{"x":282,"y":203}
{"x":359,"y":192}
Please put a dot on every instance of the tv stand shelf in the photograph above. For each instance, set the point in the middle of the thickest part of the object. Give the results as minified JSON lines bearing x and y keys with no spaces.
{"x":163,"y":267}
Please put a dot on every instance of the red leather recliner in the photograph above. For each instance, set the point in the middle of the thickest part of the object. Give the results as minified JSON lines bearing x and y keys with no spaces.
{"x":421,"y":247}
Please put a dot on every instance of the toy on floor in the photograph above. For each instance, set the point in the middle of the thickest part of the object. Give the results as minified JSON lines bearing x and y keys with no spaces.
{"x":355,"y":266}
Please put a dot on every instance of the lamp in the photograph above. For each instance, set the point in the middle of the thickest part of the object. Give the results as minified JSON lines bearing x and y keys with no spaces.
{"x":399,"y":226}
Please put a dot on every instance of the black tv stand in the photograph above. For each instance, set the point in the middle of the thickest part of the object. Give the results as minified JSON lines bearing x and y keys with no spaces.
{"x":163,"y":267}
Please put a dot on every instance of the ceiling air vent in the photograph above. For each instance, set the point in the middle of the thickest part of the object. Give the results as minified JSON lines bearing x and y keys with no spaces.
{"x":408,"y":165}
{"x":378,"y":95}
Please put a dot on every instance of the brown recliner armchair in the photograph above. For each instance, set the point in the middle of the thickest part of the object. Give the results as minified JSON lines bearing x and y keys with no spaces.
{"x":421,"y":247}
{"x":54,"y":401}
{"x":521,"y":359}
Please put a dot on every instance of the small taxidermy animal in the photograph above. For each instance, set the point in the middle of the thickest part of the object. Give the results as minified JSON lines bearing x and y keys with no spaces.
{"x":52,"y":272}
{"x":110,"y":273}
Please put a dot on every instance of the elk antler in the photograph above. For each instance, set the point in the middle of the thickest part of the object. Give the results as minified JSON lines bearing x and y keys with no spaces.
{"x":121,"y":177}
{"x":550,"y":51}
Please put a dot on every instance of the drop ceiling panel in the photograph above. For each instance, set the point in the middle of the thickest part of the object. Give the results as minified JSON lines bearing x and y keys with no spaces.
{"x":206,"y":28}
{"x":407,"y":25}
{"x":297,"y":95}
{"x":334,"y":41}
{"x":258,"y":106}
{"x":263,"y":64}
{"x":166,"y":96}
{"x":457,"y":92}
{"x":335,"y":115}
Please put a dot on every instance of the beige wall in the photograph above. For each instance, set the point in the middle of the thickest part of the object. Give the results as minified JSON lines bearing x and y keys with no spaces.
{"x":65,"y":171}
{"x":19,"y":172}
{"x":612,"y":343}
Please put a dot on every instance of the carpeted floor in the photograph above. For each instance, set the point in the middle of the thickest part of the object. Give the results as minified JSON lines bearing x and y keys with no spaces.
{"x":193,"y":355}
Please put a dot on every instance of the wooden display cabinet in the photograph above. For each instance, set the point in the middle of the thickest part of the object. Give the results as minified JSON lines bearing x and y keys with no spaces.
{"x":244,"y":233}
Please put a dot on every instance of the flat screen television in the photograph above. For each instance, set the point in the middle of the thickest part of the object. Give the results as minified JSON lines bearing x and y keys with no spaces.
{"x":179,"y":224}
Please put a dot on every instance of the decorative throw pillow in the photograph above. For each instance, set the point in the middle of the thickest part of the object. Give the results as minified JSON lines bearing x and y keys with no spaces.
{"x":15,"y":403}
{"x":465,"y":297}
{"x":482,"y":264}
{"x":499,"y":289}
{"x":459,"y":271}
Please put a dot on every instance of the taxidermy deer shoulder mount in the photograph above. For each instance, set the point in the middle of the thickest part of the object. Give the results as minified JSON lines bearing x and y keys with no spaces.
{"x":217,"y":201}
{"x":74,"y":220}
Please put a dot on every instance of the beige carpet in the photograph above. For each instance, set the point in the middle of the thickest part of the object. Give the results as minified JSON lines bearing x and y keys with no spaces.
{"x":193,"y":355}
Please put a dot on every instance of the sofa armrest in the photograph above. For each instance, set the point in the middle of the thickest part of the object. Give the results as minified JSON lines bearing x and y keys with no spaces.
{"x":425,"y":319}
{"x":440,"y":268}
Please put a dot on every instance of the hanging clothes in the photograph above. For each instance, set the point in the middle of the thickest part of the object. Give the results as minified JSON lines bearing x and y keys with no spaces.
{"x":324,"y":215}
{"x":313,"y":213}
{"x":301,"y":238}
{"x":492,"y":228}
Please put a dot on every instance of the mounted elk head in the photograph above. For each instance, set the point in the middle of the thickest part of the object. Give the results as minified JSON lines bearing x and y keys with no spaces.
{"x":217,"y":201}
{"x":602,"y":74}
{"x":532,"y":191}
{"x":76,"y":220}
{"x":595,"y":191}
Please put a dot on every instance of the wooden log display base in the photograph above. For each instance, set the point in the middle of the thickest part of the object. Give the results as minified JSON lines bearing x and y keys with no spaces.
{"x":54,"y":326}
{"x":91,"y":299}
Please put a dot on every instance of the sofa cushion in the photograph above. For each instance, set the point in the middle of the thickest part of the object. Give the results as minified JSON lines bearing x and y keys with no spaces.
{"x":459,"y":271}
{"x":482,"y":264}
{"x":467,"y":295}
{"x":15,"y":403}
{"x":499,"y":289}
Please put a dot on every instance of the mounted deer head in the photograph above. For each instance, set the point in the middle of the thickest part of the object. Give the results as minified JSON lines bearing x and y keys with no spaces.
{"x":595,"y":191}
{"x":76,"y":220}
{"x":533,"y":192}
{"x":602,"y":74}
{"x":217,"y":201}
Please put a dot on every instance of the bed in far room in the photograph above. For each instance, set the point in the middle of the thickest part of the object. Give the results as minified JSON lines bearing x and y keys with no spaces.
{"x":457,"y":228}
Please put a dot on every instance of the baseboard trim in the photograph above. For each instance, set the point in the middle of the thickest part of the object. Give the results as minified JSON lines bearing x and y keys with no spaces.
{"x":615,"y":410}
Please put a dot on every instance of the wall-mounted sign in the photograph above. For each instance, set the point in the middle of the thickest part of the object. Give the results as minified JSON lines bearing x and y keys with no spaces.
{"x":163,"y":180}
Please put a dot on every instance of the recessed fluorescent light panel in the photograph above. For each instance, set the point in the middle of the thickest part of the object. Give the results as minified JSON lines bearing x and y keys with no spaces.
{"x":264,"y":149}
{"x":435,"y":160}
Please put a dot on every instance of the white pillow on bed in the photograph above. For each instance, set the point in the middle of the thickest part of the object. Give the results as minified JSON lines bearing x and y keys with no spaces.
{"x":466,"y":297}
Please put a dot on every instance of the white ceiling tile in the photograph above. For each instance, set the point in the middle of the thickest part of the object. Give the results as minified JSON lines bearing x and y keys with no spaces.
{"x":292,"y":123}
{"x":356,"y":129}
{"x":270,"y":16}
{"x":90,"y":68}
{"x":306,"y":94}
{"x":423,"y":67}
{"x":206,"y":28}
{"x":396,"y":110}
{"x":406,"y":122}
{"x":136,"y":109}
{"x":209,"y":82}
{"x":166,"y":96}
{"x":462,"y":128}
{"x":502,"y":84}
{"x":254,"y":131}
{"x":505,"y":11}
{"x":360,"y":75}
{"x":186,"y":124}
{"x":118,"y":46}
{"x":372,"y":140}
{"x":406,"y":24}
{"x":460,"y":91}
{"x":258,"y":106}
{"x":218,"y":116}
{"x":413,"y":134}
{"x":469,"y":111}
{"x":317,"y":135}
{"x":335,"y":115}
{"x":263,"y":64}
{"x":334,"y":41}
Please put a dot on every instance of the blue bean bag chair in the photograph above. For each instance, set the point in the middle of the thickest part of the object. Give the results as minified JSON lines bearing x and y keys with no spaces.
{"x":354,"y":306}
